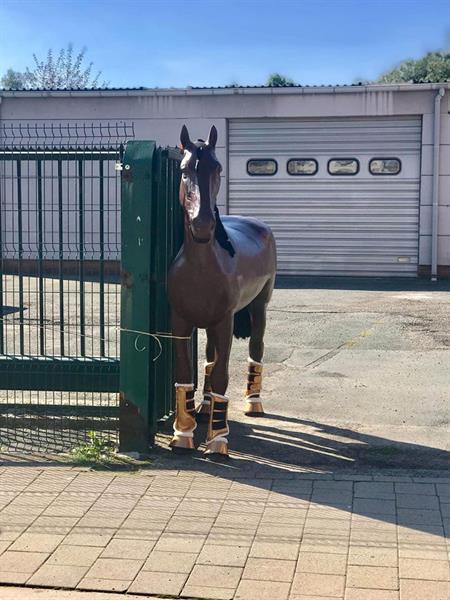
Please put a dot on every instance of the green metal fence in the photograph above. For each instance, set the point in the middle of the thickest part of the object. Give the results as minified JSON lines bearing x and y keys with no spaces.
{"x":66,"y":221}
{"x":59,"y":298}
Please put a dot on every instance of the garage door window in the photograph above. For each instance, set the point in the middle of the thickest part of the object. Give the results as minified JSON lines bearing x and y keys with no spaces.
{"x":385,"y":166}
{"x":343,"y":166}
{"x":302,"y":166}
{"x":262,"y":166}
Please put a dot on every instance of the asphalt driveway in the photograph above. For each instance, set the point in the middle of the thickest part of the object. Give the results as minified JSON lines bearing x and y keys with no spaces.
{"x":357,"y":372}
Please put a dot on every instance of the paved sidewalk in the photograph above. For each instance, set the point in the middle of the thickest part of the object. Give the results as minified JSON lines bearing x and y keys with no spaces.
{"x":28,"y":593}
{"x":195,"y":534}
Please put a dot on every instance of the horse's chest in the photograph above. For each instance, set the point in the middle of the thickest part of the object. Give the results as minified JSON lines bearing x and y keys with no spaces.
{"x":199,"y":300}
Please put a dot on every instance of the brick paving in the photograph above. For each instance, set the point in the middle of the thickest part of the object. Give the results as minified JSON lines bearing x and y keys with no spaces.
{"x":215,"y":534}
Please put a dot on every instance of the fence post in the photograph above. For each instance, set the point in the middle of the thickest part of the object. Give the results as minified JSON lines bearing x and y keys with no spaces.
{"x":136,"y":351}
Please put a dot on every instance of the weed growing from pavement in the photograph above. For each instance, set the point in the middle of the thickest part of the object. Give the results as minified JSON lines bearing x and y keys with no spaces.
{"x":96,"y":451}
{"x":99,"y":452}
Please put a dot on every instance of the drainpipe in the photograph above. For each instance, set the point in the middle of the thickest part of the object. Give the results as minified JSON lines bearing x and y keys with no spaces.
{"x":435,"y":201}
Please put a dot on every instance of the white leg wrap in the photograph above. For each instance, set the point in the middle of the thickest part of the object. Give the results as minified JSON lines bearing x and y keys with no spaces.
{"x":219,"y":396}
{"x":187,"y":434}
{"x":254,"y":362}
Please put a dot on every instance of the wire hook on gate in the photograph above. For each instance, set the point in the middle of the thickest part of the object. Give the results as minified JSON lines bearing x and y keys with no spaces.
{"x":156,"y":337}
{"x":136,"y":345}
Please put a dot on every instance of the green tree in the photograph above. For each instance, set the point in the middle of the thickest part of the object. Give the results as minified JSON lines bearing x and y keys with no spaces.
{"x":65,"y":70}
{"x":277,"y":80}
{"x":434,"y":67}
{"x":13,"y":80}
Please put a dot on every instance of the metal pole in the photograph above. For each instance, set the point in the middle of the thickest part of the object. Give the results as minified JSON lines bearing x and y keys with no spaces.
{"x":136,"y":367}
{"x":435,"y":201}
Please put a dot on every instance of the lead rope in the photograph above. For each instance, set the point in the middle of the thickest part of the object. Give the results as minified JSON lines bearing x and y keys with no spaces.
{"x":155,"y":336}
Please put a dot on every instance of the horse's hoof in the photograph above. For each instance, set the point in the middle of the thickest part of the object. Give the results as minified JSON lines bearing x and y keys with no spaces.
{"x":182,"y":444}
{"x":254,"y":409}
{"x":216,"y":448}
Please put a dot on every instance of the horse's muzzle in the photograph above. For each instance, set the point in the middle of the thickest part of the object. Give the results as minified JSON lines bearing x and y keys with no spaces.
{"x":202,"y":230}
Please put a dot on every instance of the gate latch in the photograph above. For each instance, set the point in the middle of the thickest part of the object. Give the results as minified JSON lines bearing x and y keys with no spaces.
{"x":118,"y":166}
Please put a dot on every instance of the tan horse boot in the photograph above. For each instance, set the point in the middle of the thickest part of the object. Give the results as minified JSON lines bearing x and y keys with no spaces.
{"x":185,"y":423}
{"x":254,"y":407}
{"x":204,"y":407}
{"x":216,"y":441}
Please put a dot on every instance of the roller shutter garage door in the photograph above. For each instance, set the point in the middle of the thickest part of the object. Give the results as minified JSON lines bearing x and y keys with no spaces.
{"x":363,"y":224}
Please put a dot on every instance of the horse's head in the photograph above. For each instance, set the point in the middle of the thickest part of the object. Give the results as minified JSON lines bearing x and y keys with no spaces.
{"x":200,"y":182}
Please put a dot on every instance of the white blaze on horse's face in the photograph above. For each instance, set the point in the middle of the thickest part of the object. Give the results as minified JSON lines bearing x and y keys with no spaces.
{"x":189,"y":190}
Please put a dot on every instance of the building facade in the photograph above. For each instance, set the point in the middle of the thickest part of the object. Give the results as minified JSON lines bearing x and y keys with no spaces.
{"x":353,"y":180}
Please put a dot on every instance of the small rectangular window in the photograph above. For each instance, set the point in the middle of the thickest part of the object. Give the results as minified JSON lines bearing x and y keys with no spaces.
{"x":262,"y":166}
{"x":302,"y":166}
{"x":343,"y":166}
{"x":385,"y":166}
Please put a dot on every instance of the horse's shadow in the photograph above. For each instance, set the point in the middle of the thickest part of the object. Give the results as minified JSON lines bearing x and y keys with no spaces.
{"x":323,"y":445}
{"x":319,"y":445}
{"x":263,"y":451}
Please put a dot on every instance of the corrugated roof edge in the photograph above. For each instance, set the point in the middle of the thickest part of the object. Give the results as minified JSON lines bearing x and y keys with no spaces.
{"x":228,"y":90}
{"x":109,"y":89}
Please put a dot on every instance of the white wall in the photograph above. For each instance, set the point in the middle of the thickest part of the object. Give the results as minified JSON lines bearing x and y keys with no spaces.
{"x":160,"y":115}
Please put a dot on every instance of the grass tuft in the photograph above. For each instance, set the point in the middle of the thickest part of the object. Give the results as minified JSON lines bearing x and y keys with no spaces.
{"x":97,"y":450}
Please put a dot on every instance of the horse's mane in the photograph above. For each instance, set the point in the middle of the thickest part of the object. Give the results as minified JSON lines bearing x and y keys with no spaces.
{"x":221,"y":234}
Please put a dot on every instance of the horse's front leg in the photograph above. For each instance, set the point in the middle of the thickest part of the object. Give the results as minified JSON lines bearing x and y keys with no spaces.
{"x":203,"y":409}
{"x":221,"y":336}
{"x":185,"y":423}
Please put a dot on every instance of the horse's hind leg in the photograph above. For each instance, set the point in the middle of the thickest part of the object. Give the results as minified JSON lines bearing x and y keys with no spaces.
{"x":257,"y":308}
{"x":203,"y":409}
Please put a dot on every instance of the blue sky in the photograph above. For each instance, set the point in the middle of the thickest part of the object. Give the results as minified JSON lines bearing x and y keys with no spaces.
{"x":215,"y":42}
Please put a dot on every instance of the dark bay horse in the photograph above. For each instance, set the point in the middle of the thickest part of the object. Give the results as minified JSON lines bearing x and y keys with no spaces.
{"x":221,"y":281}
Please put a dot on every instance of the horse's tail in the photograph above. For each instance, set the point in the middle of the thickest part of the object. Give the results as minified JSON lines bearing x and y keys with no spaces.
{"x":242,"y":323}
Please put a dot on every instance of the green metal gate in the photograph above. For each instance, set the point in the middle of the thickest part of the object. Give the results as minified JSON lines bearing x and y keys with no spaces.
{"x":152,"y":215}
{"x":65,"y":218}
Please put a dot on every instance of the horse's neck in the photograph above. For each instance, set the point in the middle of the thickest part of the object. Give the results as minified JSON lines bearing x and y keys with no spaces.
{"x":200,"y":256}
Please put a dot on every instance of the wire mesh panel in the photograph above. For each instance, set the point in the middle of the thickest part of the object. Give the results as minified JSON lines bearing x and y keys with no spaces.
{"x":59,"y":290}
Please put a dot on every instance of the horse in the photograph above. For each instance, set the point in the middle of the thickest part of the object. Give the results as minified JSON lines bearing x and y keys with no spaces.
{"x":221,"y":281}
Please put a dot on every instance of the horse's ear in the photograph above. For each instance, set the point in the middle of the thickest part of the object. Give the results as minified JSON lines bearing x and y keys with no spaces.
{"x":184,"y":137}
{"x":212,"y":137}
